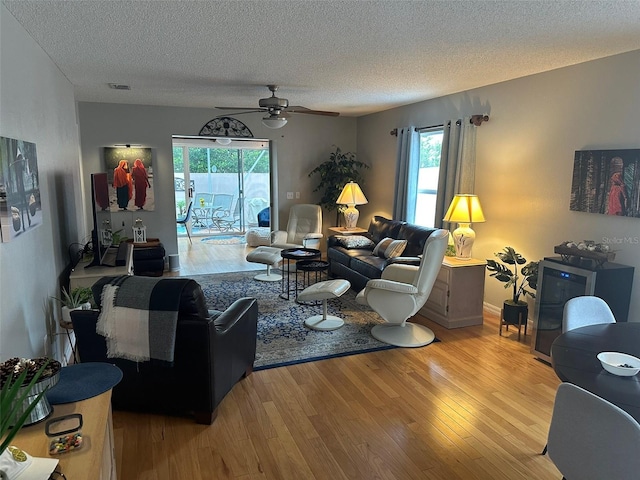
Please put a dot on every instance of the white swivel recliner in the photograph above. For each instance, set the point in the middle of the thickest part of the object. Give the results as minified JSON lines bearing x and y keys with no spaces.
{"x":304,"y":228}
{"x":402,"y":291}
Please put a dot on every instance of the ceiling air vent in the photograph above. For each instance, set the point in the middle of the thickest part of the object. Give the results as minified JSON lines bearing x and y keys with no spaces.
{"x":119,"y":86}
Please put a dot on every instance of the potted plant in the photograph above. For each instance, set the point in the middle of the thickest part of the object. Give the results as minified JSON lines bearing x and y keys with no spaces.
{"x":16,"y":404}
{"x":522,"y":283}
{"x":79,"y":298}
{"x":334,"y":174}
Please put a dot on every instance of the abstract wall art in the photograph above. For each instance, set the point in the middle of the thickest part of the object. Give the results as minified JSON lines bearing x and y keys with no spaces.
{"x":607,"y":182}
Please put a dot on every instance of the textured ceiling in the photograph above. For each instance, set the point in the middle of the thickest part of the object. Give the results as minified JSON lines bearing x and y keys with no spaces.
{"x":354,"y":57}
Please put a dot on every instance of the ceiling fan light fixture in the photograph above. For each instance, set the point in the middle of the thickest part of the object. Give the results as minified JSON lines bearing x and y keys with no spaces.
{"x":274,"y":121}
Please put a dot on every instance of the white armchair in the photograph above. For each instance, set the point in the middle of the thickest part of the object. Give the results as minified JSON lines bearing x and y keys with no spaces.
{"x":402,"y":291}
{"x":304,"y":228}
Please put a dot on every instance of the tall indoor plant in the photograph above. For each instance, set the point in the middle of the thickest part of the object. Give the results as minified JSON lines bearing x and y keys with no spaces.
{"x":334,"y":174}
{"x":522,"y":283}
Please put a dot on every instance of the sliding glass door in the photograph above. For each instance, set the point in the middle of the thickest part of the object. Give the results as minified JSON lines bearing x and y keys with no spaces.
{"x":227,"y":184}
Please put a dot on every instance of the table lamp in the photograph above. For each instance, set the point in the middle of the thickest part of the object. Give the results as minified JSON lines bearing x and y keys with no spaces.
{"x":464,"y":210}
{"x":351,"y":196}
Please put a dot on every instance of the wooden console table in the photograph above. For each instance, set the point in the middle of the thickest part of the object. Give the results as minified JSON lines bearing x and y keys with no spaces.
{"x":86,"y":277}
{"x":96,"y":458}
{"x":457,"y":296}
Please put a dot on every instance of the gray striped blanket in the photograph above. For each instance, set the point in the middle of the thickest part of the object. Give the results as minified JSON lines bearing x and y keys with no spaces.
{"x":139,"y":317}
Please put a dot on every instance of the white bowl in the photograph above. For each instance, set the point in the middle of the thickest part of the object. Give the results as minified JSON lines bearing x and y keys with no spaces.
{"x":613,"y":362}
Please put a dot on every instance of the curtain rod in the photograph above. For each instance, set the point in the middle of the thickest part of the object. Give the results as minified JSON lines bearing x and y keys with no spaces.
{"x":475,"y":119}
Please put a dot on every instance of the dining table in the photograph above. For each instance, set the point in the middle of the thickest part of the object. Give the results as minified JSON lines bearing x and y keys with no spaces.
{"x":574,"y":359}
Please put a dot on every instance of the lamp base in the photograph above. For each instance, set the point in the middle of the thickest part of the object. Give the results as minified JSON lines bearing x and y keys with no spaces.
{"x":351,"y":215}
{"x":463,"y":238}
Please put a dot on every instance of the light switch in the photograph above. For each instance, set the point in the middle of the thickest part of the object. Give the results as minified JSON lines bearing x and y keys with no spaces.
{"x":298,"y":195}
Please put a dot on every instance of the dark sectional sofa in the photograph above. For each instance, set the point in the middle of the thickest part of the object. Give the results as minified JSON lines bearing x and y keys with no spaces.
{"x":358,"y":264}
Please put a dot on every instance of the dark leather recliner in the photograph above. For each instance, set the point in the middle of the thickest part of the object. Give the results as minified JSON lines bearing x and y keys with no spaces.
{"x":213,"y":351}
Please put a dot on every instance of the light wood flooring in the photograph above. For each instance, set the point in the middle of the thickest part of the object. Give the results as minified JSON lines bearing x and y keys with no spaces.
{"x":198,"y":258}
{"x":473,"y":406}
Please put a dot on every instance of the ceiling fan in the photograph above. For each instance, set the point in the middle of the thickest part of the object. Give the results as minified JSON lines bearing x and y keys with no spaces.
{"x":277,"y":109}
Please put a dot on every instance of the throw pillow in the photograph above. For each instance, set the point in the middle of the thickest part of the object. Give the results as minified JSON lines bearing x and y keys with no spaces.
{"x":388,"y":248}
{"x":354,"y":241}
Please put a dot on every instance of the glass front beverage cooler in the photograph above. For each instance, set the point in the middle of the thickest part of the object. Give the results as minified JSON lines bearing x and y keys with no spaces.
{"x":559,"y":282}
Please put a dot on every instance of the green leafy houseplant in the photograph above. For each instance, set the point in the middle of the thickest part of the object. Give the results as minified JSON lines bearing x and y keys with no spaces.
{"x":522,"y":283}
{"x":334,"y":174}
{"x":12,"y":396}
{"x":76,"y":299}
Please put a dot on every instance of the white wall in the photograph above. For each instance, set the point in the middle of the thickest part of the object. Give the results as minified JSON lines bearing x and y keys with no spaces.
{"x":525,"y":157}
{"x":303,"y":143}
{"x":37,"y":106}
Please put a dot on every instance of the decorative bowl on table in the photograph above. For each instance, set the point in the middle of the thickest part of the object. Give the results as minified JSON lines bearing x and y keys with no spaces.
{"x":619,"y":364}
{"x":13,"y":367}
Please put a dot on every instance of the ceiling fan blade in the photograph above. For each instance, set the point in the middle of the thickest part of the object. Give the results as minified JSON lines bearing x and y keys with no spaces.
{"x":239,"y":113}
{"x":253,"y":109}
{"x":299,"y":109}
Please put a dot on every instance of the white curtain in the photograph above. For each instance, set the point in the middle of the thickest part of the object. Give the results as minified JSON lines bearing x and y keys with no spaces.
{"x":457,"y":164}
{"x":406,"y":181}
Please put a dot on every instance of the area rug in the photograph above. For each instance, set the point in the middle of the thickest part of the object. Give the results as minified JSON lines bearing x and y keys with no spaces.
{"x":225,"y":239}
{"x":282,"y":337}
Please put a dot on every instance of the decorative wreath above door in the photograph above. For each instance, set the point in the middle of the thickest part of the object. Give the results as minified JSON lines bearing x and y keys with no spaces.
{"x":225,"y":127}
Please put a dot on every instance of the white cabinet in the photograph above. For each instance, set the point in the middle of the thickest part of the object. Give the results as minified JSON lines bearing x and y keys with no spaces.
{"x":458,"y":293}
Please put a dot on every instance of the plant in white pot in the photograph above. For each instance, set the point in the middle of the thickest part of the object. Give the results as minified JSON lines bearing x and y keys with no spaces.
{"x":79,"y":299}
{"x":522,"y":283}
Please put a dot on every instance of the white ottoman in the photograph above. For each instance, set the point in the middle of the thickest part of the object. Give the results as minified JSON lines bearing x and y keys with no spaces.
{"x":324,"y":291}
{"x":258,"y":236}
{"x":269,"y":256}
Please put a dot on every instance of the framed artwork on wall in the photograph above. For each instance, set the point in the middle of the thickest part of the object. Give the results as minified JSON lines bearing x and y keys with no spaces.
{"x":130,"y":175}
{"x":607,"y":182}
{"x":20,"y":201}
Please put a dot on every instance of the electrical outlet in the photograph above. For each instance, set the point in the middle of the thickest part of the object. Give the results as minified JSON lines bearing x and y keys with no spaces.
{"x":289,"y":195}
{"x":298,"y":195}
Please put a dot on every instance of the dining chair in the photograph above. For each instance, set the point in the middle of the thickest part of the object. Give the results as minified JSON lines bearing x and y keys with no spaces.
{"x":585,"y":310}
{"x":591,"y":438}
{"x":185,"y":219}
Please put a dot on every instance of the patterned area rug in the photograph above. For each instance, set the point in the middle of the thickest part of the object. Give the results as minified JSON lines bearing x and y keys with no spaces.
{"x":225,"y":239}
{"x":282,"y":337}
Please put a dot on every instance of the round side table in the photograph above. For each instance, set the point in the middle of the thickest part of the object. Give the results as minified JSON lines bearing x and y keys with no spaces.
{"x":294,"y":254}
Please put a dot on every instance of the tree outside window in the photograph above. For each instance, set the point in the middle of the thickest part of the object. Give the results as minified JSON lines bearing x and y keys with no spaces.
{"x":428,"y":173}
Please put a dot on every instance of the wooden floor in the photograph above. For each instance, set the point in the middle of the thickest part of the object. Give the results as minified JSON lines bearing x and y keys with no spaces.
{"x":473,"y":406}
{"x":198,"y":257}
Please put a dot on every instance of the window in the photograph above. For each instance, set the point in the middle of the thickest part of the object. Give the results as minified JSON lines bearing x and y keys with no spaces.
{"x":428,"y":173}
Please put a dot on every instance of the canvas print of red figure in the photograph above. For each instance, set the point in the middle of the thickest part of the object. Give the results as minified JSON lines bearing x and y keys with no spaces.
{"x":606,"y":181}
{"x":130,"y":174}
